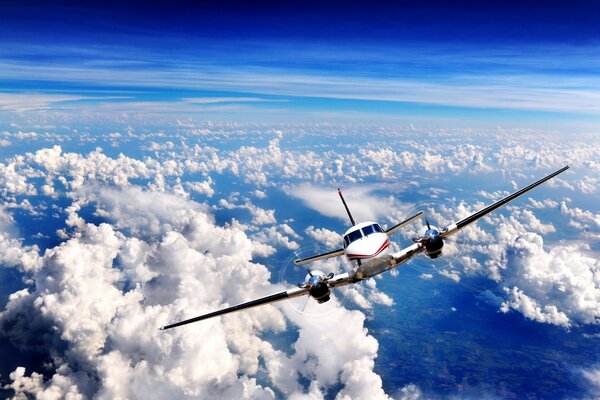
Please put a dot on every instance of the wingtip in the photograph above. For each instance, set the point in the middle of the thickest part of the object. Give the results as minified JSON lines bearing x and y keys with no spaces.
{"x":162,"y":328}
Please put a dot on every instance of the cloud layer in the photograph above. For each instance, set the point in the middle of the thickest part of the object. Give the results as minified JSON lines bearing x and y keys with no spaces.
{"x":139,"y":247}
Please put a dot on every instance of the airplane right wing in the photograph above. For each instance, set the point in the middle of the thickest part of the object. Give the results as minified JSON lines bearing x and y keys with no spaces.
{"x":452,"y":229}
{"x":421,"y":244}
{"x":394,"y":228}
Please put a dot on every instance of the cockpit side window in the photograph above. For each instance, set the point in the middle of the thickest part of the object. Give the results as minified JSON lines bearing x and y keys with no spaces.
{"x":352,"y":236}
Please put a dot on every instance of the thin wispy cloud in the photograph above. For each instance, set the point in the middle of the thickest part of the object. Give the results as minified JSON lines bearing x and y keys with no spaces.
{"x":506,"y":79}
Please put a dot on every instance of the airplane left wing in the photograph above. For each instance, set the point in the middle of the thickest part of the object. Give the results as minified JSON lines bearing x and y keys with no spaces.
{"x":317,"y":286}
{"x":334,"y":253}
{"x":288,"y":294}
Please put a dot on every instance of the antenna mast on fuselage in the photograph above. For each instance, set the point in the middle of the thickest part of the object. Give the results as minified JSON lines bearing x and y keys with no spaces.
{"x":346,"y":207}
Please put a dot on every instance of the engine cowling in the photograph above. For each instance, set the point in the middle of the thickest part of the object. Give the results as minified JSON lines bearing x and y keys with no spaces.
{"x":320,"y":292}
{"x":433,"y":243}
{"x":433,"y":247}
{"x":318,"y":287}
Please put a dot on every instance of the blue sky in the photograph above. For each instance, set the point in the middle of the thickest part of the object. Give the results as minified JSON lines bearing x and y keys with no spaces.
{"x":469,"y":64}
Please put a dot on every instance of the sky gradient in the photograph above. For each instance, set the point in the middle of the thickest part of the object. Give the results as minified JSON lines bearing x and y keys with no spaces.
{"x":508,"y":63}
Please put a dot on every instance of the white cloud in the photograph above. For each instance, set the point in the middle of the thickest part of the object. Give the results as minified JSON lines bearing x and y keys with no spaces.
{"x":162,"y":258}
{"x":12,"y":251}
{"x":259,"y":215}
{"x":62,"y":385}
{"x":271,"y":235}
{"x":204,"y":187}
{"x":409,"y":392}
{"x":451,"y":274}
{"x":330,"y":239}
{"x":587,"y":218}
{"x":559,"y":286}
{"x":103,"y":292}
{"x":592,"y":375}
{"x":21,"y":102}
{"x":210,"y":100}
{"x":141,"y":212}
{"x":546,"y":203}
{"x":363,"y":205}
{"x":530,"y":308}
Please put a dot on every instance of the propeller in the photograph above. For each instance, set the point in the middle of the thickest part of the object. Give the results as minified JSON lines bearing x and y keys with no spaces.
{"x":431,"y":240}
{"x":316,"y":282}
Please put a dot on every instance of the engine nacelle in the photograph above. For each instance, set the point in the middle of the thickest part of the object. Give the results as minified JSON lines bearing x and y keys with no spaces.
{"x":320,"y":291}
{"x":433,"y":247}
{"x":316,"y":281}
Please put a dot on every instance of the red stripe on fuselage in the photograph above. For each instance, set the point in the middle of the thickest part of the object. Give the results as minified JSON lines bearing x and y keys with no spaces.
{"x":383,"y":247}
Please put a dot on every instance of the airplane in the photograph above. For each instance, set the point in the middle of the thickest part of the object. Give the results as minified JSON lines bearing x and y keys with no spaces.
{"x":367,"y":246}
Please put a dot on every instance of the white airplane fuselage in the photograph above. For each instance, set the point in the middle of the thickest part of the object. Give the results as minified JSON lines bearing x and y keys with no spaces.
{"x":367,"y":247}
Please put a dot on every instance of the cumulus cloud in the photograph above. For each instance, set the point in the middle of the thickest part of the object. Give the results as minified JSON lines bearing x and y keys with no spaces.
{"x":560,"y":286}
{"x":98,"y":298}
{"x":204,"y":187}
{"x":330,"y":239}
{"x":12,"y":251}
{"x":259,"y":215}
{"x":555,"y":284}
{"x":582,"y":218}
{"x":274,"y":236}
{"x":142,"y":212}
{"x":160,"y":257}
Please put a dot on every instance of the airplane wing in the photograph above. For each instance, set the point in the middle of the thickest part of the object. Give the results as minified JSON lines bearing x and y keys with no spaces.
{"x":333,"y":253}
{"x":394,"y":228}
{"x":288,"y":294}
{"x":320,"y":284}
{"x":452,"y":229}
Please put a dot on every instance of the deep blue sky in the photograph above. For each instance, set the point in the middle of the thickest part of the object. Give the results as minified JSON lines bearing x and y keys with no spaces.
{"x":466,"y":63}
{"x":391,"y":22}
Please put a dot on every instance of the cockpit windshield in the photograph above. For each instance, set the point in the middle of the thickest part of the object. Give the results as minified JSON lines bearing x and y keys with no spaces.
{"x":367,"y":230}
{"x":352,"y":236}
